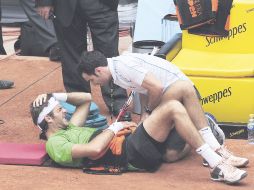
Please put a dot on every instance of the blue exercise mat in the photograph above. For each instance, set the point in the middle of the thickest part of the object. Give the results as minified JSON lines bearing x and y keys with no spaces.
{"x":93,"y":112}
{"x":99,"y":121}
{"x":94,"y":119}
{"x":71,"y":108}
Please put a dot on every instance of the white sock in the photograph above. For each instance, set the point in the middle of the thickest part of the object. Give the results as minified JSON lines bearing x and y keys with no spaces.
{"x":209,"y":138}
{"x":209,"y":155}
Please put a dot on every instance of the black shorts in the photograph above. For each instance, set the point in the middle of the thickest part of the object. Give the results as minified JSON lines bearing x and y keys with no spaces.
{"x":144,"y":152}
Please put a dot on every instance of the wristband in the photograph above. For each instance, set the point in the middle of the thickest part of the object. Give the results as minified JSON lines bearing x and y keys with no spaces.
{"x":60,"y":96}
{"x":115,"y":127}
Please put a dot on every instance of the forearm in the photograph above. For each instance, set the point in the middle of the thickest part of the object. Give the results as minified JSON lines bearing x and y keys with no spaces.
{"x":79,"y":98}
{"x":148,"y":103}
{"x":95,"y":148}
{"x":143,"y":102}
{"x":75,"y":98}
{"x":154,"y":90}
{"x":98,"y":146}
{"x":154,"y":98}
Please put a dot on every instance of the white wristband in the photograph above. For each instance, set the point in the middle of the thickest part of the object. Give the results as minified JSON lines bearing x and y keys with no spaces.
{"x":115,"y":127}
{"x":60,"y":96}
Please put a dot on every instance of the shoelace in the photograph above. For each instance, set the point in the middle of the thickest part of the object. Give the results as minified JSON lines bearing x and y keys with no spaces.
{"x":223,"y":151}
{"x":227,"y":167}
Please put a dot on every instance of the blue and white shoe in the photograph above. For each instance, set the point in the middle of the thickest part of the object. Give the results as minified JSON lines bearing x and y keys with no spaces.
{"x":227,"y":173}
{"x":217,"y":131}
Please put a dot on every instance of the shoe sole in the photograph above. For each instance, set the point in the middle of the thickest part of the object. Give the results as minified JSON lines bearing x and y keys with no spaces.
{"x":231,"y":182}
{"x":205,"y":164}
{"x":4,"y":88}
{"x":243,"y":165}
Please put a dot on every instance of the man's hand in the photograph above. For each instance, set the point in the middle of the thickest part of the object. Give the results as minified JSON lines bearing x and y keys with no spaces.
{"x":45,"y":11}
{"x":39,"y":100}
{"x":115,"y":127}
{"x":128,"y":124}
{"x":154,"y":89}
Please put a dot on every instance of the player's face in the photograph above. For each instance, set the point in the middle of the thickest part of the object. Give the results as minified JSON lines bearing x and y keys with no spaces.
{"x":59,"y":117}
{"x":96,"y":79}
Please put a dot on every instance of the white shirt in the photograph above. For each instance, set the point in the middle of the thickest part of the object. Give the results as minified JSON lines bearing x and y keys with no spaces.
{"x":129,"y":70}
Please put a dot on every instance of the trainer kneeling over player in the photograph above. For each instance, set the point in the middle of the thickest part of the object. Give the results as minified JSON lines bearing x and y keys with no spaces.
{"x":161,"y":85}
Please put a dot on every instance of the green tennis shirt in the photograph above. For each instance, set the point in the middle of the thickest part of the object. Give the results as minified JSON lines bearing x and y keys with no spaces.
{"x":60,"y":144}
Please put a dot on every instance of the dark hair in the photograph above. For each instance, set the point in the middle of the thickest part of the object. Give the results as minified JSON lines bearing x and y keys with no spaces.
{"x":90,"y":60}
{"x":35,"y":112}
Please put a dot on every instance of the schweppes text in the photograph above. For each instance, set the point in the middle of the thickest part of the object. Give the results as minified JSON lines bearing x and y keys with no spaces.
{"x":217,"y":96}
{"x":233,"y":32}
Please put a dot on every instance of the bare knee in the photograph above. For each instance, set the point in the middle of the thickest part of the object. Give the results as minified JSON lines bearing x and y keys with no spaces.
{"x":169,"y":108}
{"x":183,"y":89}
{"x":175,"y":108}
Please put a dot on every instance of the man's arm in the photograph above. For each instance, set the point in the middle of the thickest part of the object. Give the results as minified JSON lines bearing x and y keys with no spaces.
{"x":82,"y":102}
{"x":94,"y":149}
{"x":44,"y":7}
{"x":143,"y":102}
{"x":98,"y":146}
{"x":154,"y":90}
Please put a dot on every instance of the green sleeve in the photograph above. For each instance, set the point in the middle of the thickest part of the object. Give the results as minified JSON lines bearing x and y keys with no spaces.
{"x":59,"y":150}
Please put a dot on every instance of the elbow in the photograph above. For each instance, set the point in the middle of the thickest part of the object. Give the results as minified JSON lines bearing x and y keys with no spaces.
{"x":87,"y":97}
{"x":97,"y":151}
{"x":96,"y":154}
{"x":89,"y":150}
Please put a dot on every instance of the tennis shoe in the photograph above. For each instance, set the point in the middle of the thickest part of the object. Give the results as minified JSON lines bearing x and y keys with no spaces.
{"x":216,"y":130}
{"x":229,"y":158}
{"x":5,"y":84}
{"x":226,"y":173}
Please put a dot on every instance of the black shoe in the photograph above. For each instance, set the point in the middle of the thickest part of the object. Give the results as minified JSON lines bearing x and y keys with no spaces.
{"x":4,"y":84}
{"x":54,"y":53}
